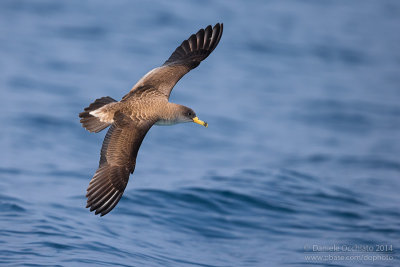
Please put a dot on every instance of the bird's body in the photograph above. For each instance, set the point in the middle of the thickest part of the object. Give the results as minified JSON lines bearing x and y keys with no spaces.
{"x":131,"y":118}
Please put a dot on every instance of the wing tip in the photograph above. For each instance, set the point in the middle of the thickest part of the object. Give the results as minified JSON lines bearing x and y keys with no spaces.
{"x":102,"y":194}
{"x":197,"y":47}
{"x":102,"y":208}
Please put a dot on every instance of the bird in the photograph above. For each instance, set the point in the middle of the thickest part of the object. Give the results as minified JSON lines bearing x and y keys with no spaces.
{"x":129,"y":119}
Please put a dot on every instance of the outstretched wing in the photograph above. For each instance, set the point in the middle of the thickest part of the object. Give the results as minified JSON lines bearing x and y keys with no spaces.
{"x":185,"y":58}
{"x":117,"y":161}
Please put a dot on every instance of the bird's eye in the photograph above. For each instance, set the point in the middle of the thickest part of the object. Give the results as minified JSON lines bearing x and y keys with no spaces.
{"x":189,"y":113}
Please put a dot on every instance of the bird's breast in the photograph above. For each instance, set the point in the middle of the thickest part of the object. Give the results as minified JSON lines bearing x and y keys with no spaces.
{"x":166,"y":122}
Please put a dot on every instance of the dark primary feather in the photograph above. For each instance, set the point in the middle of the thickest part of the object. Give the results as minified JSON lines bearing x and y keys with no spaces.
{"x":197,"y":48}
{"x":117,"y":161}
{"x":185,"y":58}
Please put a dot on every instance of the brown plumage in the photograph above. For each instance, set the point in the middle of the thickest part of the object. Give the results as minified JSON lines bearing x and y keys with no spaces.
{"x":132,"y":117}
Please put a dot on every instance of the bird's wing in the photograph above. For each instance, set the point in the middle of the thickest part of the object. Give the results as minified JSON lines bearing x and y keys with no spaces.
{"x":117,"y":161}
{"x":185,"y":58}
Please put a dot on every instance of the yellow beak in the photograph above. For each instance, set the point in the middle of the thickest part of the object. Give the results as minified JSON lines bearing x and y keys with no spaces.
{"x":196,"y":120}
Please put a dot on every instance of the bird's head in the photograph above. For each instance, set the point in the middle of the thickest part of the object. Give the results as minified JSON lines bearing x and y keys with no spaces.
{"x":188,"y":115}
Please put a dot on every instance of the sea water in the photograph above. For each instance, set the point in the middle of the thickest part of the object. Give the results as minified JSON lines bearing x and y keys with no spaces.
{"x":299,"y":165}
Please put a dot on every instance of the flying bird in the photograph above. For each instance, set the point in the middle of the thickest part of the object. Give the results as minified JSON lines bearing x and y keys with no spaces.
{"x":146,"y":104}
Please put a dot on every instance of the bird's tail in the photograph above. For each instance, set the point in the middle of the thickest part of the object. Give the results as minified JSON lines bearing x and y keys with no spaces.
{"x":92,"y":123}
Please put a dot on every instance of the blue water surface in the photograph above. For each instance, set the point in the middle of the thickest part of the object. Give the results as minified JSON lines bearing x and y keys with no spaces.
{"x":302,"y":151}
